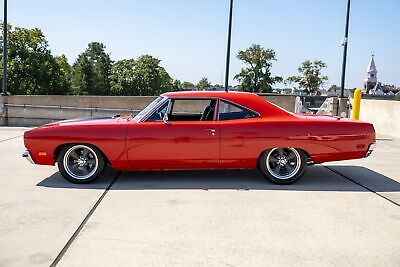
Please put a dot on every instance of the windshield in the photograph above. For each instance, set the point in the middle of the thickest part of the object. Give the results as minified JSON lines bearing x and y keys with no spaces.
{"x":140,"y":115}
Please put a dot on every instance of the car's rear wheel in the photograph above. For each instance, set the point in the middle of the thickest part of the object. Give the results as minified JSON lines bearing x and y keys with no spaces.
{"x":80,"y":163}
{"x":283,"y":165}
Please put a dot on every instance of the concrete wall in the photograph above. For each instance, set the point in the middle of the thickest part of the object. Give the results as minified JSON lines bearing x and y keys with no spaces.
{"x":19,"y":112}
{"x":3,"y":111}
{"x":285,"y":101}
{"x":41,"y":109}
{"x":24,"y":110}
{"x":383,"y":114}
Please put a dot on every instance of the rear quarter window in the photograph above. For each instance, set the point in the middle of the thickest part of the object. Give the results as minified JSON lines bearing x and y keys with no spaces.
{"x":231,"y":111}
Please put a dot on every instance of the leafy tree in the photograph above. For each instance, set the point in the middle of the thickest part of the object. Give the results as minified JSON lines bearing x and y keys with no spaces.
{"x":177,"y":85}
{"x":65,"y":71}
{"x":203,"y":83}
{"x":147,"y":74}
{"x":256,"y":77}
{"x":167,"y":83}
{"x":143,"y":76}
{"x":187,"y":85}
{"x":310,"y":78}
{"x":91,"y":71}
{"x":31,"y":67}
{"x":122,"y":78}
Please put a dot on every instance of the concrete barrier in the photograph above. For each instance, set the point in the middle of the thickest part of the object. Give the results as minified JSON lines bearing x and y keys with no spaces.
{"x":3,"y":111}
{"x":41,"y":109}
{"x":383,"y":114}
{"x":287,"y":102}
{"x":24,"y":110}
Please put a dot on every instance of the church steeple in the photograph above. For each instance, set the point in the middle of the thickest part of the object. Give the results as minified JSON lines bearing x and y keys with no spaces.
{"x":371,"y":66}
{"x":371,"y":79}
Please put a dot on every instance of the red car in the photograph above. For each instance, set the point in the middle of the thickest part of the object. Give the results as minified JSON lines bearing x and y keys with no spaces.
{"x":200,"y":130}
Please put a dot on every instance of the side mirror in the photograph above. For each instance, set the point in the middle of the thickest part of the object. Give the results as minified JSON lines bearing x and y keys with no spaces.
{"x":165,"y":119}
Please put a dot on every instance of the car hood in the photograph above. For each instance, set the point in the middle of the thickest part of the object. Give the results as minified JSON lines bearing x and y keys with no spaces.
{"x":96,"y":120}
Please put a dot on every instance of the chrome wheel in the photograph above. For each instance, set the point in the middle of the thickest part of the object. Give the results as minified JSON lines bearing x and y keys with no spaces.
{"x":283,"y":163}
{"x":80,"y":162}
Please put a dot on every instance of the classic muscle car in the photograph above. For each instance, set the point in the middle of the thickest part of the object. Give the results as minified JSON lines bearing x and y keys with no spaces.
{"x":200,"y":130}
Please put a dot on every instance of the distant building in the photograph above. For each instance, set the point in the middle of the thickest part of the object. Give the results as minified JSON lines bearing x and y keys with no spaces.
{"x":335,"y":90}
{"x":371,"y":80}
{"x":373,"y":87}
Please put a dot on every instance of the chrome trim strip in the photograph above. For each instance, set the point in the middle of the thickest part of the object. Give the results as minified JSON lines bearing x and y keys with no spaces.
{"x":27,"y":156}
{"x":370,"y":149}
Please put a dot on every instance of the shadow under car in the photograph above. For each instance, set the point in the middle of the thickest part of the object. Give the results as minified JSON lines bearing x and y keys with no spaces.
{"x":316,"y":178}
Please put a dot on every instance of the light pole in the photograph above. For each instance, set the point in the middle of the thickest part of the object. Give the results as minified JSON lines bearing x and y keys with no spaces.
{"x":345,"y":41}
{"x":4,"y":93}
{"x":228,"y":48}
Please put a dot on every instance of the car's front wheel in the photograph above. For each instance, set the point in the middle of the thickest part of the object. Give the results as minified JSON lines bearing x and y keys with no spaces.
{"x":283,"y":165}
{"x":80,"y":163}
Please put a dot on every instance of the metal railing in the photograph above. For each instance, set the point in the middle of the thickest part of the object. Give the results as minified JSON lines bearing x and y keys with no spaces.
{"x":95,"y":109}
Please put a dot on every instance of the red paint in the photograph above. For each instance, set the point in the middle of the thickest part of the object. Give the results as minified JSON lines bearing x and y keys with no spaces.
{"x":130,"y":145}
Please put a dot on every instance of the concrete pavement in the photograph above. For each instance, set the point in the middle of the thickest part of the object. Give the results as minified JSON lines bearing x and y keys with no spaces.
{"x":346,"y":213}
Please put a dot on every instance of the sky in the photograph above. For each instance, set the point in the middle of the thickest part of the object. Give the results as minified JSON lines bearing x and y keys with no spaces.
{"x":189,"y":36}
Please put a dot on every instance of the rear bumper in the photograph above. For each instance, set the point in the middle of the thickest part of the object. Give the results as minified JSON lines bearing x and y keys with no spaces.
{"x":370,"y":149}
{"x":27,"y":156}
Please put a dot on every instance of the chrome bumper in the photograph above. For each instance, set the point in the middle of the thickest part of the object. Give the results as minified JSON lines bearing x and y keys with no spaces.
{"x":27,"y":156}
{"x":370,"y":149}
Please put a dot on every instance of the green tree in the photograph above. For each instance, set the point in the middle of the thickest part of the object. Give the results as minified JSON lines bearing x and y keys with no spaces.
{"x":32,"y":69}
{"x":203,"y":83}
{"x":122,"y":78}
{"x":147,"y":74}
{"x":177,"y":85}
{"x":310,"y":78}
{"x":65,"y":71}
{"x":256,"y":76}
{"x":167,"y":83}
{"x":143,"y":76}
{"x":187,"y":85}
{"x":91,"y":71}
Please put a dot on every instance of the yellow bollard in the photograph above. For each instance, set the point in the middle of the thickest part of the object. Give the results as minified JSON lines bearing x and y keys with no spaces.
{"x":355,"y":114}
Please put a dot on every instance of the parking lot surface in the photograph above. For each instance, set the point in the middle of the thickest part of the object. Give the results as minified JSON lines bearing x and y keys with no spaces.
{"x":342,"y":213}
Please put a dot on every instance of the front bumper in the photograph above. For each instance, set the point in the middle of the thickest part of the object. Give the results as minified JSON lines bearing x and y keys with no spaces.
{"x":27,"y":156}
{"x":370,"y":149}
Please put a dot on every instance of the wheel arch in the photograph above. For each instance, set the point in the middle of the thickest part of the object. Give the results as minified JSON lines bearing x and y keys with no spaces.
{"x":57,"y":150}
{"x":310,"y":161}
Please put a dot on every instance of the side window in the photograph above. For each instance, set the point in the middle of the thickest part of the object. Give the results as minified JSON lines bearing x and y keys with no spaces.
{"x":158,"y":114}
{"x":192,"y":110}
{"x":229,"y":111}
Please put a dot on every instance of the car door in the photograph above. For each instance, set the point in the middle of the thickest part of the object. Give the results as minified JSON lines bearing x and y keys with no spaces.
{"x":182,"y":142}
{"x":239,"y":132}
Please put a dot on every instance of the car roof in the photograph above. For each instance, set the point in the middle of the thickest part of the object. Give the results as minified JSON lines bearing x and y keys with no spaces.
{"x":248,"y":100}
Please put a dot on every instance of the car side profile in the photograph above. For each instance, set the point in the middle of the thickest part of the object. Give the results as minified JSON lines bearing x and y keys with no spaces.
{"x":200,"y":130}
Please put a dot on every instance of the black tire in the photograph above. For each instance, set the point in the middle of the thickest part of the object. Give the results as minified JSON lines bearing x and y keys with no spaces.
{"x":283,"y":165}
{"x":80,"y":164}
